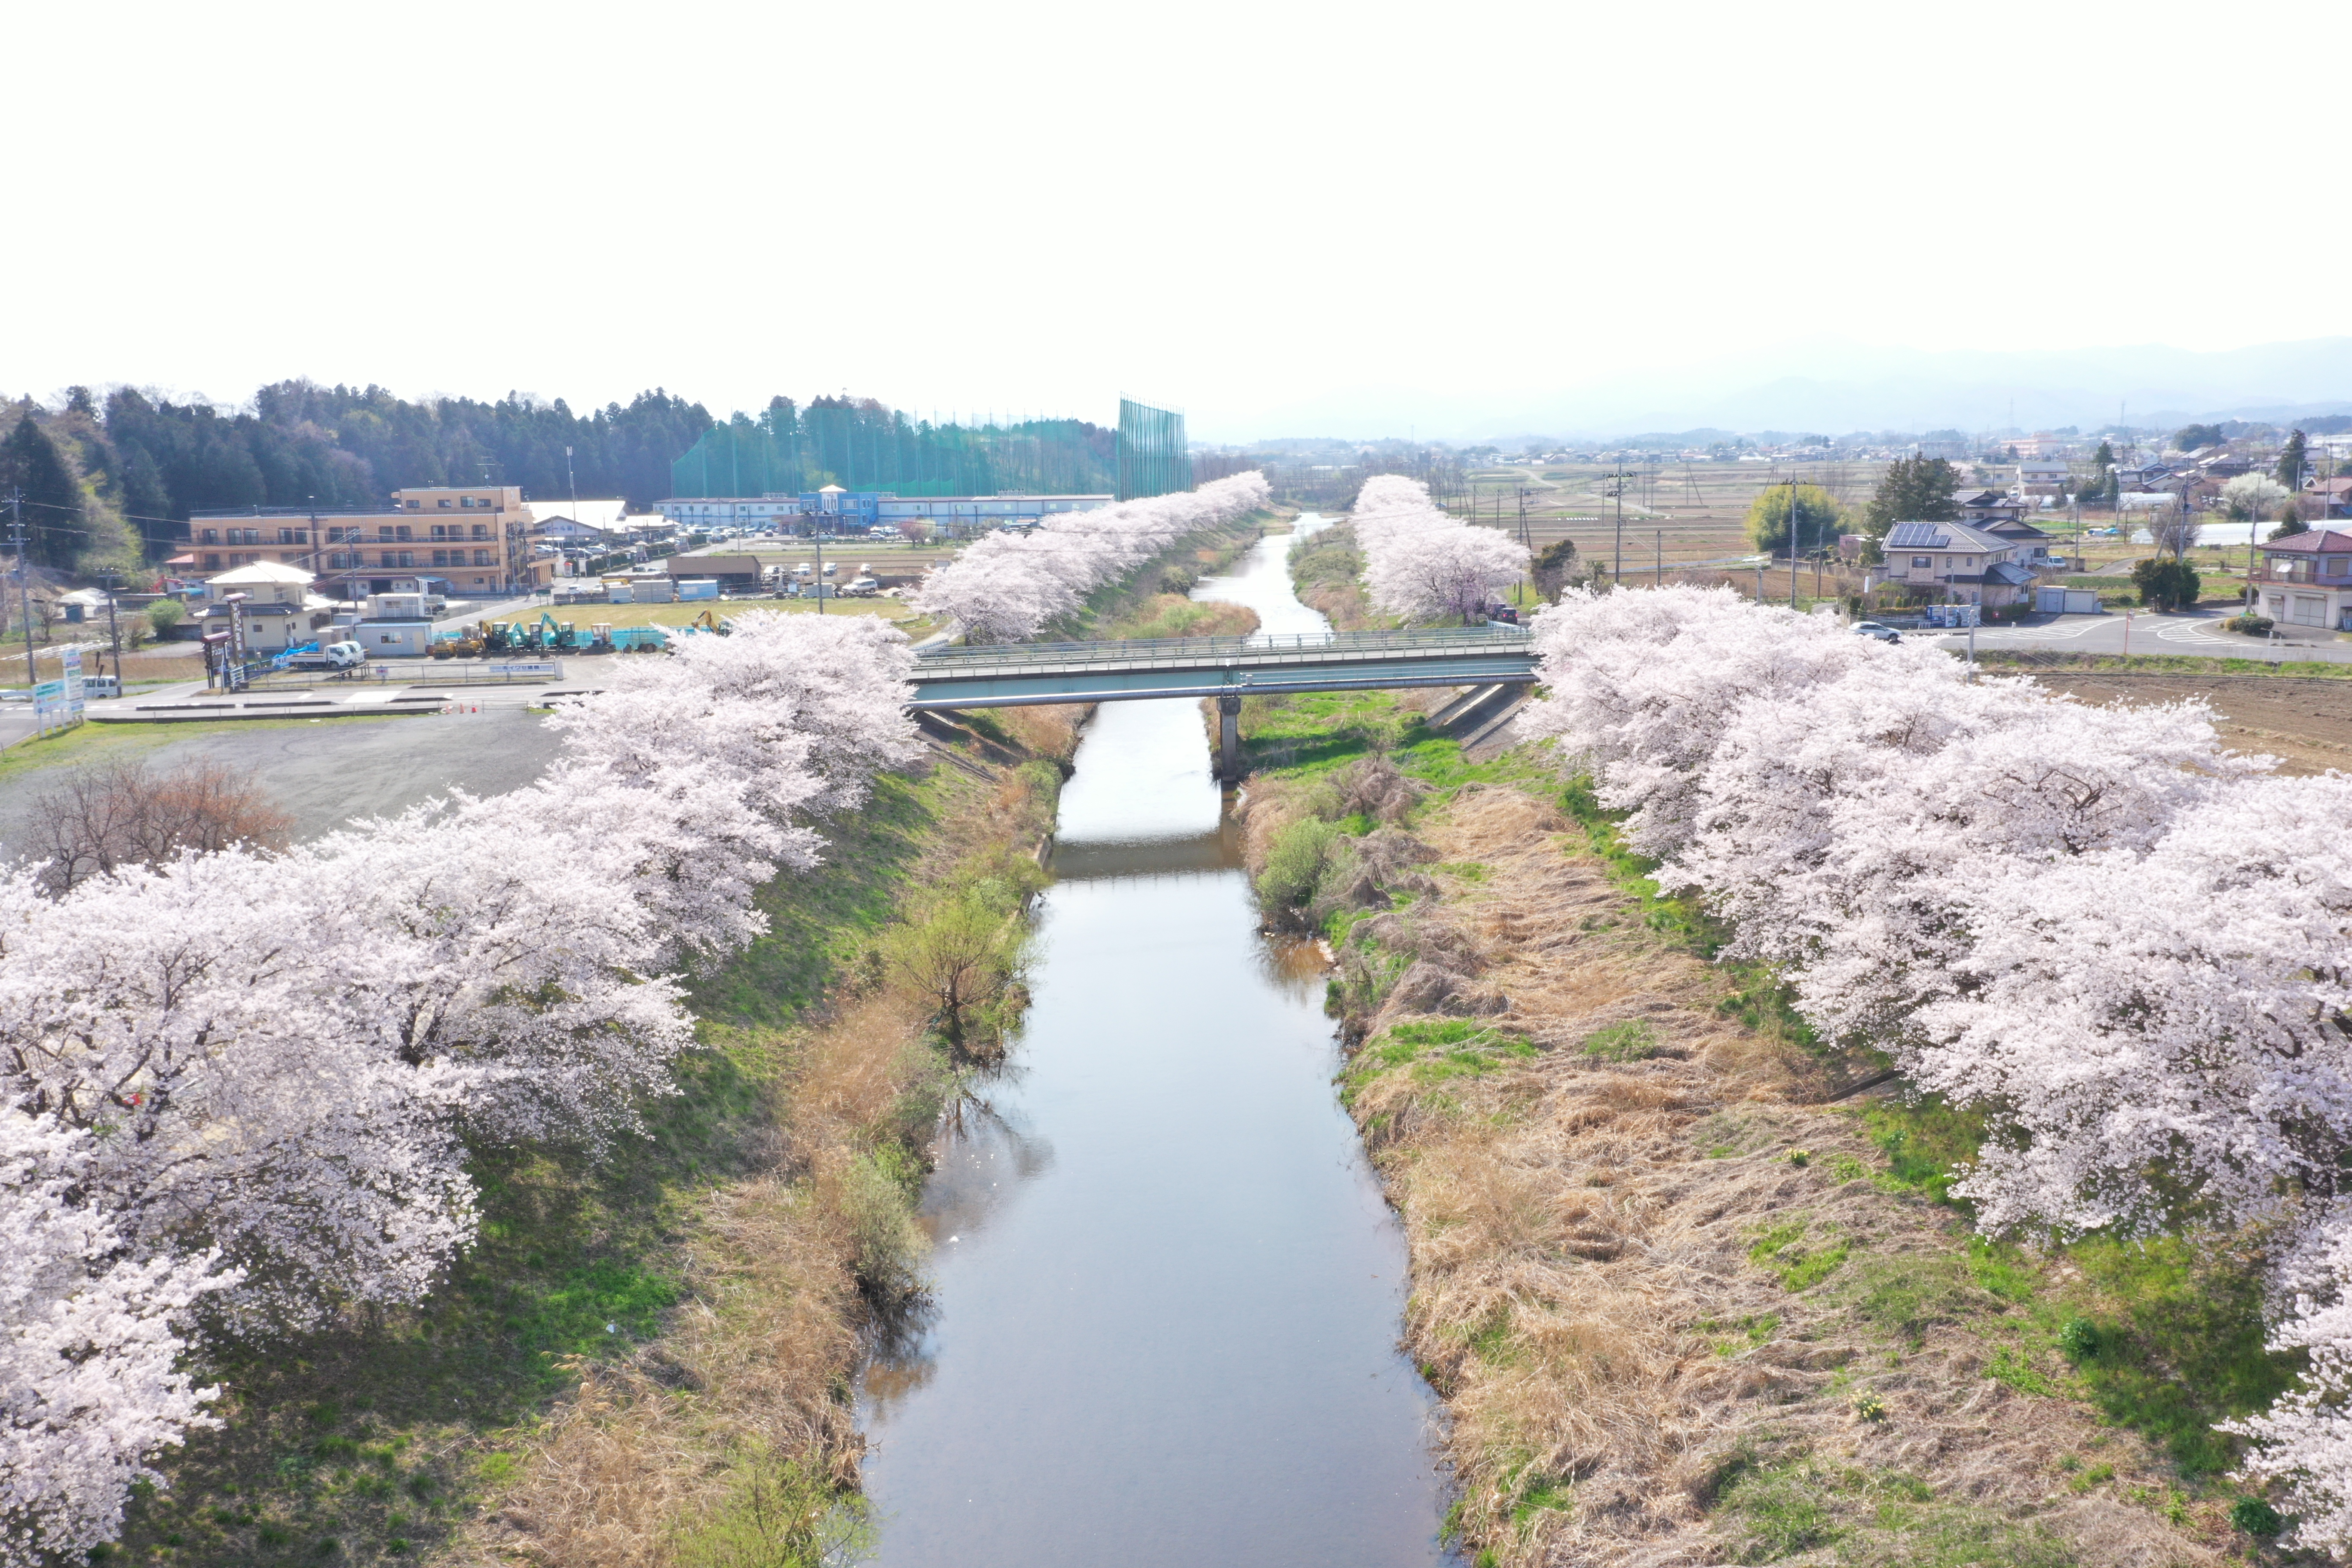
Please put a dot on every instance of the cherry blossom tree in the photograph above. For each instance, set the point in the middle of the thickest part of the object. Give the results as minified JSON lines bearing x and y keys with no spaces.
{"x":2122,"y":942}
{"x":1007,"y":588}
{"x":239,"y":1082}
{"x":1422,"y":564}
{"x":92,"y":1380}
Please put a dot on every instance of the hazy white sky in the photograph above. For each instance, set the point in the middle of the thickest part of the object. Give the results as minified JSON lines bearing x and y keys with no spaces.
{"x":1230,"y":207}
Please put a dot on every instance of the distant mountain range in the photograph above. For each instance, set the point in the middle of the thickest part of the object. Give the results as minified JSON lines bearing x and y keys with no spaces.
{"x":1833,"y":386}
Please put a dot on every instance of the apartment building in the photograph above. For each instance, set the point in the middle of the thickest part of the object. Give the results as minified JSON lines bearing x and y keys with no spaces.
{"x":475,"y":539}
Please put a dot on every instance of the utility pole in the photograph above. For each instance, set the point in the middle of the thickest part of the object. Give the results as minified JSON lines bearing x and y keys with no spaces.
{"x":1661,"y":559}
{"x":23,"y":582}
{"x":1792,"y":541}
{"x":1617,"y":571}
{"x":112,"y":630}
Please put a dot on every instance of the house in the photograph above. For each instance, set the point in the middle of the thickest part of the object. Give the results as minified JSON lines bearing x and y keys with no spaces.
{"x":2305,"y":580}
{"x":1956,"y":562}
{"x":275,"y":609}
{"x":2223,"y":466}
{"x":2031,"y":545}
{"x":2334,"y":498}
{"x":1989,"y":506}
{"x":2041,"y":476}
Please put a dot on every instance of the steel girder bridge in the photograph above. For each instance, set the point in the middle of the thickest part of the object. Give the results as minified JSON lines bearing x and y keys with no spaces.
{"x":1227,"y":669}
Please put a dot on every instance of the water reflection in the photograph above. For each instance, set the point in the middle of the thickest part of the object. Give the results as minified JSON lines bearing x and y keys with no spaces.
{"x":1168,"y":1286}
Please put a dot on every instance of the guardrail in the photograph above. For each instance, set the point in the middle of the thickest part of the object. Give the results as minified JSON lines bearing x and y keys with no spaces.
{"x":1156,"y":650}
{"x":421,"y":672}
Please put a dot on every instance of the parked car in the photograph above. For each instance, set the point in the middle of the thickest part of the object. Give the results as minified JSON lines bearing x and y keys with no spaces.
{"x":1874,"y":629}
{"x":334,"y":656}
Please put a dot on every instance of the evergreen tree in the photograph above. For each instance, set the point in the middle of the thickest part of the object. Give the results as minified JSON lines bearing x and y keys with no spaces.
{"x":2167,"y":584}
{"x":1915,"y":489}
{"x":2291,"y":462}
{"x":30,"y":462}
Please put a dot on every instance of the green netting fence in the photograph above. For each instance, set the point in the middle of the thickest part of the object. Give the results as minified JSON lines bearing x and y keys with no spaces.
{"x":859,"y":445}
{"x":1152,"y":455}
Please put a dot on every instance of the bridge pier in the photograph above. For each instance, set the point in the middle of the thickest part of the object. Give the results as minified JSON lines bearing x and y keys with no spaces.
{"x":1229,"y":739}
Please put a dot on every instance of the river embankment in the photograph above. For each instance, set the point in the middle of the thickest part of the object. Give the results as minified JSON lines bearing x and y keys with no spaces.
{"x":1690,"y":1289}
{"x":1166,"y":1290}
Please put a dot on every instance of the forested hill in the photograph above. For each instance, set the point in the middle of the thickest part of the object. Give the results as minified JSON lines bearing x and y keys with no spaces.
{"x":104,"y":483}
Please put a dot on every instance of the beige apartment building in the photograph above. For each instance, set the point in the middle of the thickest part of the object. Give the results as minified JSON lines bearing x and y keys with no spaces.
{"x":477,"y":539}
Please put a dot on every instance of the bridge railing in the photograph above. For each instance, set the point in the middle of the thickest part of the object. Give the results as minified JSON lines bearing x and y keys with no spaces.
{"x":1157,"y":650}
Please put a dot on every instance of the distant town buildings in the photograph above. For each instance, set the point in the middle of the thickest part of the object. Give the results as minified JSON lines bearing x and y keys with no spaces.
{"x":833,"y":507}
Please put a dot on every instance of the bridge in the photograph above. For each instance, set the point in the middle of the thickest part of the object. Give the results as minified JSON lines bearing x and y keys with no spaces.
{"x":1227,"y":669}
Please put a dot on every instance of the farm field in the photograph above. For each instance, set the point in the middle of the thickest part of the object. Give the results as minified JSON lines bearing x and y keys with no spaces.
{"x":2305,"y":723}
{"x":1684,"y":515}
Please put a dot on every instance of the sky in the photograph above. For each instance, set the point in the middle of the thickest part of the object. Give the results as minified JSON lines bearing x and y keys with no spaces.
{"x":1261,"y":213}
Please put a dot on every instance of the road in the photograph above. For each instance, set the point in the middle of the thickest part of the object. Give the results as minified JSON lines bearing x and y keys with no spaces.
{"x":2199,"y":633}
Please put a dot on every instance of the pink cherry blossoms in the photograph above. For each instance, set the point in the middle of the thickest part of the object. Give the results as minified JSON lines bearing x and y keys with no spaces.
{"x":1424,"y":565}
{"x":1007,"y":586}
{"x":240,"y":1082}
{"x":2131,"y":948}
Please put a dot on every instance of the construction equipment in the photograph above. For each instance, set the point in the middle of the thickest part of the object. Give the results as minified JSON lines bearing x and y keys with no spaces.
{"x":708,"y":621}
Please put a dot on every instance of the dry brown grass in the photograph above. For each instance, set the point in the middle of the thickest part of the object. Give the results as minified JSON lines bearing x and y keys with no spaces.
{"x":1585,"y":1297}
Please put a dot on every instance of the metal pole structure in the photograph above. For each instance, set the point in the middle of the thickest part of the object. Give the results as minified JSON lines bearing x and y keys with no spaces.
{"x":1662,"y":558}
{"x":23,"y":582}
{"x":1617,"y":570}
{"x":1792,"y":541}
{"x":112,"y":630}
{"x":816,"y":539}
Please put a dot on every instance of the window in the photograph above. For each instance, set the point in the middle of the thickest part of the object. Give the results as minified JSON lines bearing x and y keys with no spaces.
{"x":414,"y":504}
{"x":212,"y":563}
{"x":462,"y":501}
{"x":212,"y":536}
{"x":403,"y":534}
{"x":2334,"y":565}
{"x":441,"y":557}
{"x":444,"y":501}
{"x":1923,"y":563}
{"x":482,"y":530}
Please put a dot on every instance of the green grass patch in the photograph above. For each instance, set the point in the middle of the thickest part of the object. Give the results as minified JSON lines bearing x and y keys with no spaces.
{"x":1436,"y":1051}
{"x":1771,"y":1512}
{"x":1779,"y":1251}
{"x":1631,"y":1040}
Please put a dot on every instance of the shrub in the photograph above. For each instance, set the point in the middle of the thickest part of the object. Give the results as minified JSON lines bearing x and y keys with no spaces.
{"x":1294,"y":863}
{"x":2078,"y":1340}
{"x":2255,"y":1517}
{"x":165,"y":614}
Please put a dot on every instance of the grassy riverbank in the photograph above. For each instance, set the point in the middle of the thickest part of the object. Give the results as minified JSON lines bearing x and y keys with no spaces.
{"x":647,"y":1360}
{"x":1691,"y":1287}
{"x":1680,"y":1299}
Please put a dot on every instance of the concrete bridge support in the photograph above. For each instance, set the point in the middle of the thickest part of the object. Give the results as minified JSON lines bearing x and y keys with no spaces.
{"x":1229,"y":739}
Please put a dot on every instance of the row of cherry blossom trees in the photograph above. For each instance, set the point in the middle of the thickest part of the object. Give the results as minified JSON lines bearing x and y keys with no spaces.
{"x":1424,"y":564}
{"x":1006,"y":587}
{"x":2129,"y":946}
{"x":241,"y":1085}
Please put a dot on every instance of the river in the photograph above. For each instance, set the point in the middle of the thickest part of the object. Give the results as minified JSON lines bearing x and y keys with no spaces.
{"x":1168,"y":1288}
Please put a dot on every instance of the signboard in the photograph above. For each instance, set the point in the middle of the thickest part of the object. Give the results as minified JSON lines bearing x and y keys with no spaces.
{"x":72,"y":660}
{"x":49,"y":708}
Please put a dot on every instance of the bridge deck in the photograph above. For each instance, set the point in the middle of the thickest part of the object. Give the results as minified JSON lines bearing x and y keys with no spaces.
{"x":1032,"y":673}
